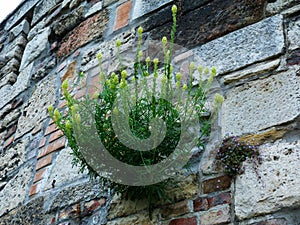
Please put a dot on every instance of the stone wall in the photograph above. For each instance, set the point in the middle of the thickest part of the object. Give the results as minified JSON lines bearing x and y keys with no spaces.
{"x":255,"y":45}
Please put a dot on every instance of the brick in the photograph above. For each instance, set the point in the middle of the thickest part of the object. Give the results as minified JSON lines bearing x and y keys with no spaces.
{"x":9,"y":141}
{"x":45,"y":161}
{"x":218,"y":215}
{"x":293,"y":58}
{"x":86,"y":31}
{"x":42,"y":142}
{"x":11,"y":131}
{"x":184,"y":221}
{"x":216,"y":184}
{"x":39,"y":175}
{"x":80,"y":93}
{"x":56,"y":135}
{"x":91,"y":206}
{"x":50,"y":129}
{"x":34,"y":189}
{"x":54,"y":146}
{"x":205,"y":203}
{"x":123,"y":15}
{"x":72,"y":211}
{"x":174,"y":210}
{"x":272,"y":222}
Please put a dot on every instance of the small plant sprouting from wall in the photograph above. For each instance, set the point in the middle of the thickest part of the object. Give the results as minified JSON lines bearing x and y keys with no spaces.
{"x":233,"y":152}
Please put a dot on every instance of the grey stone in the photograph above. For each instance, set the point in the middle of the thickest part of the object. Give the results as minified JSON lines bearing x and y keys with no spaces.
{"x":15,"y":190}
{"x":23,"y":27}
{"x":11,"y":117}
{"x":68,"y":174}
{"x":293,"y":34}
{"x":246,"y":46}
{"x":41,"y":9}
{"x":36,"y":29}
{"x":95,"y":8}
{"x":17,"y":16}
{"x":9,"y":92}
{"x":262,"y":104}
{"x":279,"y":5}
{"x":36,"y":108}
{"x":35,"y":47}
{"x":278,"y":185}
{"x":143,"y":7}
{"x":252,"y":71}
{"x":108,"y":2}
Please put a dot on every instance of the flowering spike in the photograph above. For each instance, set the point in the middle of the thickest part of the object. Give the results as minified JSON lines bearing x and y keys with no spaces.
{"x":118,"y":42}
{"x":174,"y":9}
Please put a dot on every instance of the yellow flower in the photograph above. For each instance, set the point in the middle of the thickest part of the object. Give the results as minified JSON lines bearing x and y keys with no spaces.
{"x":140,"y":54}
{"x":214,"y":70}
{"x":218,"y":99}
{"x":200,"y":69}
{"x":50,"y":109}
{"x":206,"y":71}
{"x":68,"y":125}
{"x":164,"y":40}
{"x":155,"y":61}
{"x":65,"y":85}
{"x":148,"y":59}
{"x":99,"y":56}
{"x":192,"y":66}
{"x":184,"y":87}
{"x":124,"y":74}
{"x":178,"y":76}
{"x":178,"y":84}
{"x":56,"y":115}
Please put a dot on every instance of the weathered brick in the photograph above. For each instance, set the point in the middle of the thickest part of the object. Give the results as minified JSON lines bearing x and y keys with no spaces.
{"x":205,"y":203}
{"x":72,"y":211}
{"x":123,"y":15}
{"x":217,"y":215}
{"x":293,"y":58}
{"x":34,"y":189}
{"x":91,"y":206}
{"x":39,"y":175}
{"x":10,"y":131}
{"x":9,"y":141}
{"x":80,"y":93}
{"x":50,"y":129}
{"x":42,"y":142}
{"x":144,"y":7}
{"x":177,"y":209}
{"x":184,"y":221}
{"x":88,"y":30}
{"x":54,"y":146}
{"x":56,"y":135}
{"x":45,"y":161}
{"x":216,"y":184}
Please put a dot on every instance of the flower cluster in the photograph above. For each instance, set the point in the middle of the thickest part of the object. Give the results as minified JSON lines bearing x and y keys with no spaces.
{"x":232,"y":153}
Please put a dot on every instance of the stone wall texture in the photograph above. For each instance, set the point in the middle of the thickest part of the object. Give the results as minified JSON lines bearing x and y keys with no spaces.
{"x":255,"y":45}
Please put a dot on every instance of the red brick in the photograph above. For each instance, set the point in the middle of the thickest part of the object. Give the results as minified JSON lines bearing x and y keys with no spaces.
{"x":174,"y":210}
{"x":11,"y":131}
{"x":216,"y":216}
{"x":39,"y":175}
{"x":91,"y":206}
{"x":86,"y":31}
{"x":56,"y":135}
{"x":205,"y":203}
{"x":80,"y":93}
{"x":184,"y":221}
{"x":45,"y":161}
{"x":62,"y":104}
{"x":54,"y":146}
{"x":216,"y":184}
{"x":9,"y":141}
{"x":34,"y":189}
{"x":72,"y":211}
{"x":123,"y":15}
{"x":51,"y":128}
{"x":42,"y":142}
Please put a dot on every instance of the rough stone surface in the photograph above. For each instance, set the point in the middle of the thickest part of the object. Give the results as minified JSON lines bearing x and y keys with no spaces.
{"x":9,"y":92}
{"x":278,"y":5}
{"x":274,"y":185}
{"x":145,"y":6}
{"x":36,"y":108}
{"x":14,"y":191}
{"x":217,"y":215}
{"x":262,"y":104}
{"x":42,"y":8}
{"x":95,"y":8}
{"x":293,"y":34}
{"x":246,"y":44}
{"x":69,"y":173}
{"x":31,"y":51}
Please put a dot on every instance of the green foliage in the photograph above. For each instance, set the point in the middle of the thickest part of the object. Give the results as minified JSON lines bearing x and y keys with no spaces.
{"x":233,"y":153}
{"x":141,"y":112}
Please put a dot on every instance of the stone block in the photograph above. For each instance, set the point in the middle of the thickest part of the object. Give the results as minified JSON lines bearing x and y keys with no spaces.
{"x":42,"y":8}
{"x":293,"y":33}
{"x":246,"y":44}
{"x":273,"y":185}
{"x":14,"y":192}
{"x":31,"y":51}
{"x":279,"y":5}
{"x":122,"y":15}
{"x":88,"y":30}
{"x":210,"y":21}
{"x":62,"y":170}
{"x":144,"y":7}
{"x":95,"y":8}
{"x":216,"y":184}
{"x":9,"y":92}
{"x":175,"y":210}
{"x":23,"y":27}
{"x":262,"y":104}
{"x":36,"y":108}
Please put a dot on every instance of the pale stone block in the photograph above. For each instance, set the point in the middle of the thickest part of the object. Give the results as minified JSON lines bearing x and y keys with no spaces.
{"x":142,"y":7}
{"x":246,"y":46}
{"x":274,"y":185}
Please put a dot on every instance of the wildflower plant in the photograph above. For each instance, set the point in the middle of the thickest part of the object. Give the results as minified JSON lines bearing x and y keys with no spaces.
{"x":233,"y":152}
{"x":139,"y":130}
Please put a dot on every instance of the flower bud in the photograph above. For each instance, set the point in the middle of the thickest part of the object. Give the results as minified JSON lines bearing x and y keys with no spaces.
{"x":206,"y":71}
{"x":57,"y":115}
{"x":155,"y":61}
{"x":140,"y":30}
{"x":50,"y":109}
{"x":214,"y":70}
{"x":200,"y":69}
{"x":184,"y":87}
{"x":218,"y":99}
{"x":99,"y":56}
{"x":174,"y":9}
{"x":178,"y":76}
{"x":148,"y":59}
{"x":68,"y":125}
{"x":192,"y":66}
{"x":118,"y":43}
{"x":124,"y":74}
{"x":164,"y":40}
{"x":65,"y":85}
{"x":140,"y":54}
